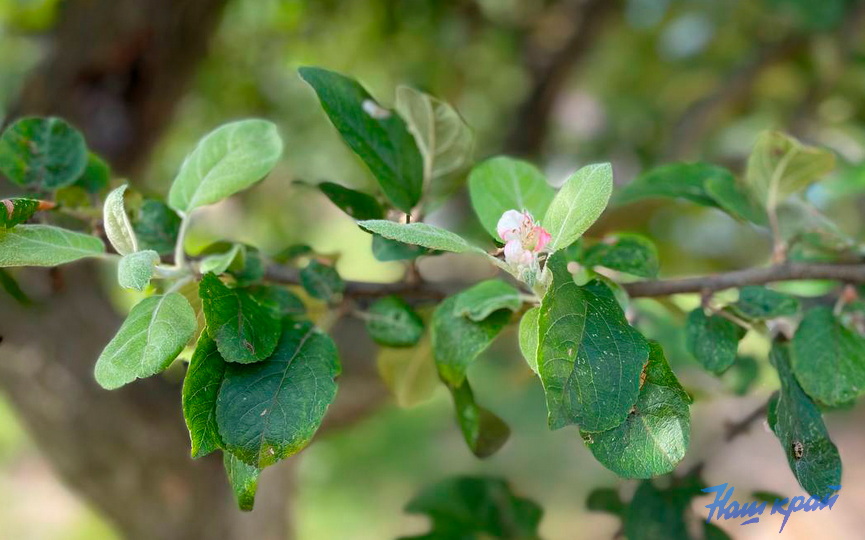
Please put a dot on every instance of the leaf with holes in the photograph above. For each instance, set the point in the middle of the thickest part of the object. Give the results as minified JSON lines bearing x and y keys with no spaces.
{"x":270,"y":410}
{"x":655,"y":436}
{"x":244,"y":330}
{"x":589,"y":357}
{"x":150,"y":338}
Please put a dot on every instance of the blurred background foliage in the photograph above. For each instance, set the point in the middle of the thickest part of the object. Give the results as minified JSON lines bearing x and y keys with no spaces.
{"x":660,"y":81}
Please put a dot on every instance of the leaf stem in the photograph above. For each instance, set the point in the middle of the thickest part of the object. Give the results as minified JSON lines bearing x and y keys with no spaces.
{"x":179,"y":252}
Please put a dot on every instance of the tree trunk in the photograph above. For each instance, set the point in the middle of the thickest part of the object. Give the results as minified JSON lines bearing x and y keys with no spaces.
{"x":116,"y":69}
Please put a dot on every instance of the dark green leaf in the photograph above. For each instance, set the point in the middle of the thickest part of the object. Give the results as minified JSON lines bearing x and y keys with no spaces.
{"x":480,"y":301}
{"x":243,"y":479}
{"x":292,"y":252}
{"x":798,"y":424}
{"x":321,"y":281}
{"x":735,"y":199}
{"x":457,"y":340}
{"x":589,"y":357}
{"x":248,"y":267}
{"x":42,"y":153}
{"x":392,"y":322}
{"x":200,"y":390}
{"x":828,"y":358}
{"x":655,"y":436}
{"x":244,"y":330}
{"x":606,"y":500}
{"x":377,"y":135}
{"x":677,"y":180}
{"x":713,"y":340}
{"x":464,"y":508}
{"x":281,"y":301}
{"x":484,"y":432}
{"x":16,"y":211}
{"x":713,"y":532}
{"x":759,"y":303}
{"x":386,"y":250}
{"x":654,"y":514}
{"x":156,"y":227}
{"x":96,"y":175}
{"x":270,"y":410}
{"x":357,"y":204}
{"x":742,"y":375}
{"x":630,"y":253}
{"x":8,"y":283}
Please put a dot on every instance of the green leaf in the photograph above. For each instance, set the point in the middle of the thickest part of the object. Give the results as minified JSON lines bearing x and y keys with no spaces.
{"x":219,"y":262}
{"x":735,"y":199}
{"x":484,"y":432}
{"x":16,"y":211}
{"x":200,"y":390}
{"x":605,"y":500}
{"x":96,"y":176}
{"x":244,"y":330}
{"x":677,"y":180}
{"x":480,"y":301}
{"x":44,"y":245}
{"x":713,"y":340}
{"x":759,"y":303}
{"x":156,"y":226}
{"x":457,"y":340}
{"x":589,"y":357}
{"x":356,"y":204}
{"x":798,"y":424}
{"x":42,"y":153}
{"x":150,"y":338}
{"x":292,"y":252}
{"x":377,"y":135}
{"x":390,"y":321}
{"x":135,"y":270}
{"x":741,"y":377}
{"x":529,"y":337}
{"x":386,"y":250}
{"x":630,"y":253}
{"x":713,"y":532}
{"x":270,"y":410}
{"x":442,"y":136}
{"x":579,"y":203}
{"x":228,"y":160}
{"x":780,"y":165}
{"x":243,"y":479}
{"x":655,"y":436}
{"x":248,"y":267}
{"x":116,"y":222}
{"x":281,"y":301}
{"x":409,"y":373}
{"x":321,"y":281}
{"x":419,"y":234}
{"x":654,"y":514}
{"x":467,"y":507}
{"x":828,"y":358}
{"x":501,"y":183}
{"x":8,"y":284}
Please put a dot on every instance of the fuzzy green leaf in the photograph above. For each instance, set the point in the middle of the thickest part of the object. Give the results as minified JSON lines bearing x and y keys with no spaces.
{"x":589,"y":357}
{"x":116,"y":222}
{"x":480,"y":301}
{"x":135,"y":270}
{"x":150,"y":338}
{"x":419,"y":234}
{"x":42,"y":153}
{"x":44,"y":245}
{"x":377,"y":135}
{"x":578,"y":204}
{"x":501,"y":184}
{"x":356,"y":204}
{"x":386,"y":250}
{"x":655,"y":436}
{"x":828,"y":358}
{"x":228,"y":160}
{"x":270,"y":410}
{"x":529,"y":337}
{"x":244,"y":330}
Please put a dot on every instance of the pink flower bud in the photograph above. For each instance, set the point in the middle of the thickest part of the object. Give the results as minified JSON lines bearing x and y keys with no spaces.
{"x":509,"y":225}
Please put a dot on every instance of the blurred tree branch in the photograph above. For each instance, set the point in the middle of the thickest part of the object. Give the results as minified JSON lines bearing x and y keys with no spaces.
{"x":549,"y":73}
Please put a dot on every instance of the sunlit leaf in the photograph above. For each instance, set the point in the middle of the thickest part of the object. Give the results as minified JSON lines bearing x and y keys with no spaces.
{"x":116,"y":222}
{"x":578,"y":204}
{"x":44,"y":245}
{"x":135,"y":270}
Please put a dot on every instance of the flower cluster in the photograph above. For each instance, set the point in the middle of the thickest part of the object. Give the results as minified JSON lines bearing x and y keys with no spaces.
{"x":524,"y":240}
